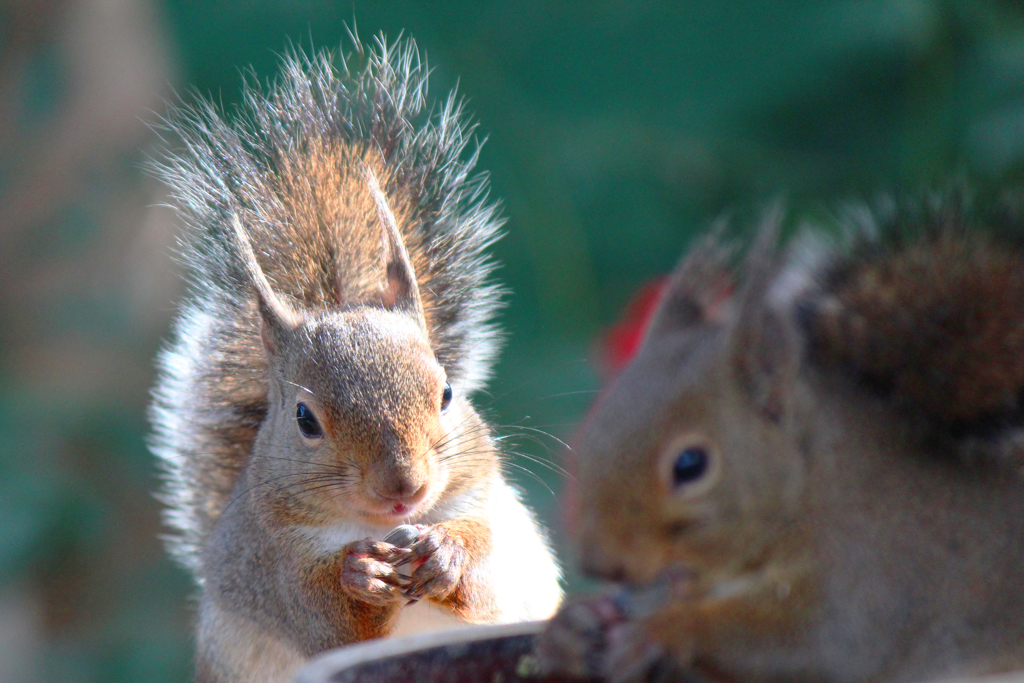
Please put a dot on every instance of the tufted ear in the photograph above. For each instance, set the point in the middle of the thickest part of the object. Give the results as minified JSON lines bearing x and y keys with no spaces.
{"x":400,"y":291}
{"x":278,"y":320}
{"x":699,"y":289}
{"x":764,"y":344}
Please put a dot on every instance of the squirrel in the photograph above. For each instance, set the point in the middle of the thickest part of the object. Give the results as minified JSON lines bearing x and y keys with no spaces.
{"x":316,"y":393}
{"x":813,"y":468}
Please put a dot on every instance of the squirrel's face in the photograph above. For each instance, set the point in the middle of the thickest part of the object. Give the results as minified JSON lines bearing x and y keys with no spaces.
{"x":365,"y":415}
{"x":680,"y":467}
{"x":362,"y":421}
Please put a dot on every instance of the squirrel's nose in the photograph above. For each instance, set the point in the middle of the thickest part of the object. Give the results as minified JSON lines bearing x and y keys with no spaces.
{"x":402,"y":491}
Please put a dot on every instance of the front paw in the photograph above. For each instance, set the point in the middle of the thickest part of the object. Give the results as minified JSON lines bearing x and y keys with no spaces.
{"x":575,"y":641}
{"x":593,"y":638}
{"x":368,"y":572}
{"x":632,"y":656}
{"x":437,"y":560}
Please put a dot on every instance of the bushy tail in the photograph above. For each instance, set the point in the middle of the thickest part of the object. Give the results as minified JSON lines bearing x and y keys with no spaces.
{"x":926,"y":307}
{"x":290,"y":169}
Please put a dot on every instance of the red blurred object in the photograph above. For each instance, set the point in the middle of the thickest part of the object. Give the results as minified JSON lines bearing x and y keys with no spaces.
{"x":622,"y":341}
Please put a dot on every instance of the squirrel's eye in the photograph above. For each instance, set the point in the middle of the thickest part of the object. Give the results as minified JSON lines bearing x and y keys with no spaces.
{"x":307,"y":422}
{"x":690,"y":465}
{"x":446,"y":397}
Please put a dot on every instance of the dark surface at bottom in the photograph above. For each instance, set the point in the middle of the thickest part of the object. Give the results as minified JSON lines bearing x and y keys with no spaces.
{"x":498,"y":660}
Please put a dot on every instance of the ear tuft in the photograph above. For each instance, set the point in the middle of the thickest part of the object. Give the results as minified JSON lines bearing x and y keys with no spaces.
{"x":700,"y":287}
{"x":765,"y":346}
{"x":278,"y":320}
{"x":400,"y":291}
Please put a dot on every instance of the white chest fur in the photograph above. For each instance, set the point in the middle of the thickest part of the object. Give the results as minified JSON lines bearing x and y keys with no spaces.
{"x":423,"y":617}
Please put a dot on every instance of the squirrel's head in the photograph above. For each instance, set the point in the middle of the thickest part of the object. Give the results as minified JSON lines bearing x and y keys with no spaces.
{"x":361,"y":409}
{"x":690,"y":459}
{"x":362,"y":421}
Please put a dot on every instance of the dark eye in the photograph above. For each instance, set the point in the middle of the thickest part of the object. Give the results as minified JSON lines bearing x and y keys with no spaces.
{"x":690,"y":465}
{"x":308,"y":424}
{"x":446,"y":397}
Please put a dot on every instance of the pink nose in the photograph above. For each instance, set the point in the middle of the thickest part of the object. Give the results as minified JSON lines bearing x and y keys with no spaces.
{"x":402,"y":499}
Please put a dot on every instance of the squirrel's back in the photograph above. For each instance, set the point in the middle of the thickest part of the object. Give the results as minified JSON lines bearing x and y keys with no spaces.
{"x":292,"y":168}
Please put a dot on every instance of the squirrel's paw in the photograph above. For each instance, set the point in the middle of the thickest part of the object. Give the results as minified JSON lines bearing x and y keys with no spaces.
{"x":368,"y":571}
{"x":591,"y":638}
{"x":633,"y":657}
{"x":575,"y":641}
{"x":438,"y":559}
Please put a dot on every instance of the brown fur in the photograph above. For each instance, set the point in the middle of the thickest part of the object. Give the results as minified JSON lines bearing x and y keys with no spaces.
{"x":941,"y":322}
{"x":339,"y":276}
{"x":474,"y":540}
{"x":833,"y":535}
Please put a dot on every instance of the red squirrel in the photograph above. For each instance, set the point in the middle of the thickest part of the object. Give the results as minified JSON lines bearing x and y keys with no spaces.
{"x":812,"y":468}
{"x":317,"y":392}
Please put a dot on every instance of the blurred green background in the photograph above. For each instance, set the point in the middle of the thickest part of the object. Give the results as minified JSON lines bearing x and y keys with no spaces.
{"x":616,"y":131}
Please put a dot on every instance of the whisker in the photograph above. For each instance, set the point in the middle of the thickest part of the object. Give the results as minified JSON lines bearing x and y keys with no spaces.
{"x":311,"y":392}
